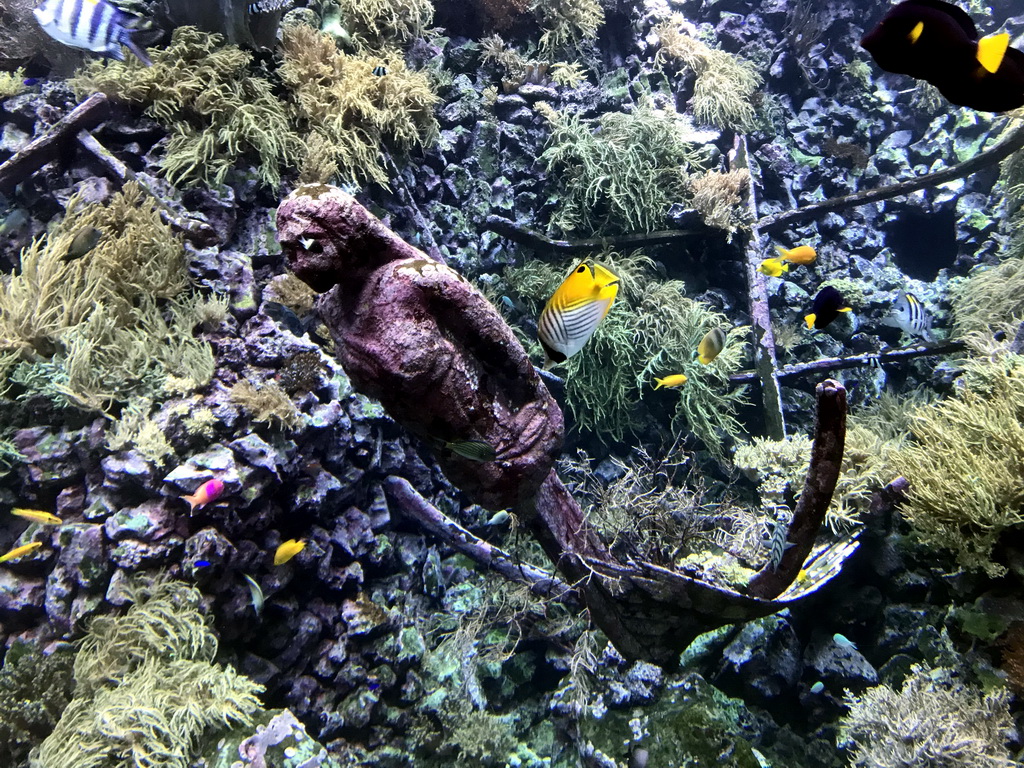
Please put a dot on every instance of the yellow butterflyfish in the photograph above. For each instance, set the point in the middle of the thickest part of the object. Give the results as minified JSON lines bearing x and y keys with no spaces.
{"x":709,"y":347}
{"x":574,"y":311}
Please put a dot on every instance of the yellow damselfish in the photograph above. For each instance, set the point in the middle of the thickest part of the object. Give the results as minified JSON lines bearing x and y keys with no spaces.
{"x":671,"y":382}
{"x":802,"y":254}
{"x":24,"y":549}
{"x":37,"y":516}
{"x":773,"y":267}
{"x":574,"y":311}
{"x":288,"y":550}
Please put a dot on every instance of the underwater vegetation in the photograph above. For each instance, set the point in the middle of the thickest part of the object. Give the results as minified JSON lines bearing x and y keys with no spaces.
{"x":113,"y":322}
{"x":376,"y":24}
{"x":146,"y":687}
{"x":35,"y":688}
{"x":652,"y":329}
{"x":966,"y":464}
{"x":933,"y":721}
{"x":991,"y":298}
{"x":725,"y":84}
{"x":333,"y":121}
{"x":621,"y":171}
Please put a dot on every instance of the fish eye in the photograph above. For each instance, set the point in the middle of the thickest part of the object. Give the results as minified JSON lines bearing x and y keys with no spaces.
{"x":581,"y":269}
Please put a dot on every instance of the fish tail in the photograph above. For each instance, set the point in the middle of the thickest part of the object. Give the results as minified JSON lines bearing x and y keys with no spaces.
{"x":660,"y":383}
{"x":128,"y":41}
{"x":991,"y":51}
{"x":783,"y":253}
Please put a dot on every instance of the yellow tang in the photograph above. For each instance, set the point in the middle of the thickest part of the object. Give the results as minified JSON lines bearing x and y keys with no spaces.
{"x":773,"y":267}
{"x":574,"y":311}
{"x":37,"y":516}
{"x":671,"y":382}
{"x":709,"y":347}
{"x":288,"y":550}
{"x":802,"y":254}
{"x":24,"y":549}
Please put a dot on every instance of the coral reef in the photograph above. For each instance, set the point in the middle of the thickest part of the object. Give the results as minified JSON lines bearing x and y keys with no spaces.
{"x":725,"y":85}
{"x":376,"y":24}
{"x":81,"y":330}
{"x":933,"y":721}
{"x":567,"y":22}
{"x":965,"y":466}
{"x":719,"y":196}
{"x":621,"y":171}
{"x":338,"y":97}
{"x":35,"y":687}
{"x":991,"y":298}
{"x":146,"y":687}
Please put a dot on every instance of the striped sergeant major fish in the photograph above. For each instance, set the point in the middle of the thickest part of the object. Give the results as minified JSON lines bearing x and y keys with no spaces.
{"x":95,"y":25}
{"x":776,"y":543}
{"x":909,"y":315}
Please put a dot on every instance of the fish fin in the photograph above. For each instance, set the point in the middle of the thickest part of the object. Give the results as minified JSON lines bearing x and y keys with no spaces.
{"x":992,"y":49}
{"x":783,"y":253}
{"x":846,"y":309}
{"x":605,"y":277}
{"x":660,"y":383}
{"x":915,"y":34}
{"x":809,"y":319}
{"x":128,"y":41}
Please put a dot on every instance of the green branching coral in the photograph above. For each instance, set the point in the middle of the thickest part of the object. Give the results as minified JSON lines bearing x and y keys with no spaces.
{"x":652,"y":330}
{"x":989,"y":298}
{"x":103,"y":325}
{"x":147,"y":689}
{"x":966,"y":468}
{"x":218,"y":112}
{"x":933,"y":721}
{"x":725,"y":86}
{"x":376,"y":24}
{"x":34,"y":689}
{"x":621,"y":171}
{"x":337,"y":96}
{"x":567,"y":22}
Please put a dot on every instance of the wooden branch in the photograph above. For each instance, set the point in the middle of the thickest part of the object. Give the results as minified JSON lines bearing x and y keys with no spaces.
{"x":48,"y":147}
{"x":1000,"y":151}
{"x":193,"y":230}
{"x":854,"y":361}
{"x":766,"y":364}
{"x":819,"y":485}
{"x":545,"y":244}
{"x":413,"y":505}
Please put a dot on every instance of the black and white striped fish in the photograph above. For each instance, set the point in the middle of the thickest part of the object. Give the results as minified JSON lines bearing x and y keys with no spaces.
{"x":776,"y":542}
{"x":380,"y":70}
{"x":95,"y":25}
{"x":269,"y":6}
{"x":909,"y":315}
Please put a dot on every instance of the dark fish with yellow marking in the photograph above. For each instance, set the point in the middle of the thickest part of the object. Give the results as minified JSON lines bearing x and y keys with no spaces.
{"x":711,"y":345}
{"x":574,"y":311}
{"x":827,"y":306}
{"x":938,"y":42}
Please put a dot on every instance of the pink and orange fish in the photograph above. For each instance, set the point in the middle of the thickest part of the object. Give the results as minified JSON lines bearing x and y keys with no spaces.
{"x":208,"y":492}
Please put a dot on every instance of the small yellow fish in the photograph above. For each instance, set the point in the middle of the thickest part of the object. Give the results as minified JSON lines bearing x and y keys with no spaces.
{"x":773,"y":267}
{"x":671,"y":382}
{"x":802,"y":254}
{"x":709,"y":347}
{"x":37,"y":516}
{"x":24,"y":549}
{"x":288,"y":550}
{"x":574,"y":311}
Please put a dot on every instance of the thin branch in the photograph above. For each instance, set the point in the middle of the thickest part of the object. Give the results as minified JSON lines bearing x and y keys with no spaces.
{"x":412,"y":504}
{"x":545,"y":244}
{"x":855,"y":361}
{"x":1000,"y":151}
{"x":46,"y":148}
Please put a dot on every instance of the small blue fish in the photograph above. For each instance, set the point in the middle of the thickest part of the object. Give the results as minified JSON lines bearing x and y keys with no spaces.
{"x":30,"y":81}
{"x":201,"y":563}
{"x":818,"y":687}
{"x":373,"y":685}
{"x":844,"y":642}
{"x":95,"y":25}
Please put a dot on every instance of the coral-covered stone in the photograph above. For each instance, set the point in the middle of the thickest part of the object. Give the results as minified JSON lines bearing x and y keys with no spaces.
{"x":414,"y":334}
